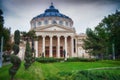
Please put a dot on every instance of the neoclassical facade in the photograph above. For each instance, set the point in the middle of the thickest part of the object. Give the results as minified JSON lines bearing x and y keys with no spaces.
{"x":56,"y":34}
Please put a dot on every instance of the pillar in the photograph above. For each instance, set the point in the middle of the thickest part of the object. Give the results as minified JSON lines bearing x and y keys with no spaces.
{"x":51,"y":55}
{"x":72,"y":48}
{"x":43,"y":45}
{"x":36,"y":48}
{"x":66,"y":46}
{"x":58,"y":46}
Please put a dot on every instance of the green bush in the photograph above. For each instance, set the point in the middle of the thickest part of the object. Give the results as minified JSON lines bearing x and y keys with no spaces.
{"x":28,"y":56}
{"x":95,"y":75}
{"x":51,"y":60}
{"x":77,"y":76}
{"x":15,"y":60}
{"x":76,"y":59}
{"x":53,"y":78}
{"x":48,"y":60}
{"x":16,"y":49}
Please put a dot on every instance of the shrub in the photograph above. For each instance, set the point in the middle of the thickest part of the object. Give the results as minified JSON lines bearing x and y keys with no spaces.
{"x":48,"y":60}
{"x":76,"y":59}
{"x":51,"y":60}
{"x":53,"y":78}
{"x":28,"y":56}
{"x":15,"y":60}
{"x":95,"y":75}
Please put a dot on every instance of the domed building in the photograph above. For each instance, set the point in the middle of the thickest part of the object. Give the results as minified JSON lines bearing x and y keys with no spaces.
{"x":56,"y":35}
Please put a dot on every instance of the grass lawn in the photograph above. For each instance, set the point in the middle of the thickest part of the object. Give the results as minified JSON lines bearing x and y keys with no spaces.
{"x":39,"y":71}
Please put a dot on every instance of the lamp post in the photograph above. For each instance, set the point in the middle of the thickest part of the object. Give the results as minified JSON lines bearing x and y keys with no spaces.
{"x":113,"y":49}
{"x":1,"y":52}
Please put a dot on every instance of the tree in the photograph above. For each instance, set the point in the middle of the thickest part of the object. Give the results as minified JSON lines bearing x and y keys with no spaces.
{"x":112,"y":25}
{"x":4,"y":32}
{"x":30,"y":36}
{"x":99,"y":41}
{"x":28,"y":56}
{"x":17,"y":37}
{"x":15,"y":60}
{"x":91,"y":43}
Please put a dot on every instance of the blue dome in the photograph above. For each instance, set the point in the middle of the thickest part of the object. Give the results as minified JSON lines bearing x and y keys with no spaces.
{"x":51,"y":12}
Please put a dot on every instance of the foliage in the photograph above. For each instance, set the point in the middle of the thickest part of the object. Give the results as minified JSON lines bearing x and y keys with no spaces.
{"x":30,"y":36}
{"x":6,"y":57}
{"x":4,"y":32}
{"x":48,"y":60}
{"x":60,"y":70}
{"x":95,"y":75}
{"x":76,"y":59}
{"x":15,"y":60}
{"x":16,"y":49}
{"x":99,"y":41}
{"x":28,"y":56}
{"x":17,"y":37}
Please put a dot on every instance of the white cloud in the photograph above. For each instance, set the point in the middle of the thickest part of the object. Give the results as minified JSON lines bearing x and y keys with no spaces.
{"x":84,"y":15}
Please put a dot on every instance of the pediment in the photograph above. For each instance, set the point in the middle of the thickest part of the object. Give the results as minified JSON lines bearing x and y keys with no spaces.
{"x":55,"y":28}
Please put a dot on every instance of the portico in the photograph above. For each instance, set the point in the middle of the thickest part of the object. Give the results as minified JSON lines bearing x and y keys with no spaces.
{"x":53,"y":45}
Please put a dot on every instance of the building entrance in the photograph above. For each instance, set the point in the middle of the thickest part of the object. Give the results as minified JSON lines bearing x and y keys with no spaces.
{"x":47,"y":51}
{"x":61,"y":51}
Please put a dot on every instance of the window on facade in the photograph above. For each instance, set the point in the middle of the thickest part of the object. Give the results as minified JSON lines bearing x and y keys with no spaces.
{"x":66,"y":23}
{"x":34,"y":24}
{"x":39,"y":23}
{"x":46,"y":22}
{"x":61,"y":22}
{"x":47,"y":51}
{"x":74,"y":45}
{"x":61,"y":52}
{"x":54,"y":22}
{"x":54,"y":50}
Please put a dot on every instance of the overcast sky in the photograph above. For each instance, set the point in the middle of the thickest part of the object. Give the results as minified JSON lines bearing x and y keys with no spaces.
{"x":84,"y":13}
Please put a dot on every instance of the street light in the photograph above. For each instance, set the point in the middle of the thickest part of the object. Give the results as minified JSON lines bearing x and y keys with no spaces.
{"x":1,"y":52}
{"x":113,"y":49}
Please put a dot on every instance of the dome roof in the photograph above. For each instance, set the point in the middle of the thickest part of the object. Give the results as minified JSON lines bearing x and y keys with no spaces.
{"x":52,"y":12}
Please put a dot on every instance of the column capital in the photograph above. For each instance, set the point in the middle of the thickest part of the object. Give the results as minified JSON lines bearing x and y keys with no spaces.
{"x":58,"y":36}
{"x":43,"y":36}
{"x":50,"y":36}
{"x":65,"y":36}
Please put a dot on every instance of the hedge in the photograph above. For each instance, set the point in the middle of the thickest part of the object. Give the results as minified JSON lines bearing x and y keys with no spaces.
{"x":48,"y":60}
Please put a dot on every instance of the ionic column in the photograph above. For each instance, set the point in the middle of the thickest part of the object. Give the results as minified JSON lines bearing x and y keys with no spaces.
{"x":58,"y":47}
{"x":66,"y":46}
{"x":43,"y":47}
{"x":51,"y":55}
{"x":36,"y":48}
{"x":72,"y":48}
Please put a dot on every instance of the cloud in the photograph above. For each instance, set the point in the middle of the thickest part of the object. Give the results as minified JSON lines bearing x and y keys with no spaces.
{"x":85,"y":13}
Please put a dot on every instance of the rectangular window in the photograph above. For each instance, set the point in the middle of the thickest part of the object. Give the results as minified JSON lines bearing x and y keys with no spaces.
{"x":39,"y":23}
{"x":61,"y":22}
{"x":46,"y":21}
